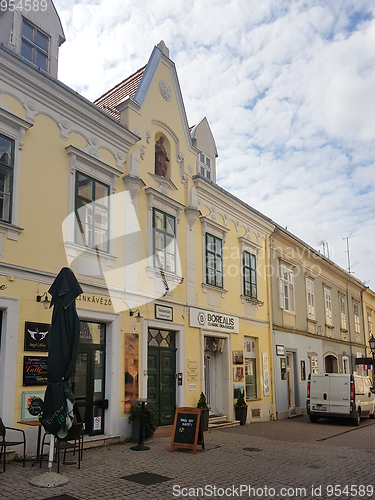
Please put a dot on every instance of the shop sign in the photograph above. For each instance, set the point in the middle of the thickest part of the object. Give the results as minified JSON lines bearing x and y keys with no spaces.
{"x":192,"y":370}
{"x":213,"y":320}
{"x":36,"y":336}
{"x":94,"y":299}
{"x":280,"y":351}
{"x":266,"y":381}
{"x":163,"y":312}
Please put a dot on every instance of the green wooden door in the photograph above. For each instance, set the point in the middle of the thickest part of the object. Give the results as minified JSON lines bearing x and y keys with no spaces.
{"x":161,"y":382}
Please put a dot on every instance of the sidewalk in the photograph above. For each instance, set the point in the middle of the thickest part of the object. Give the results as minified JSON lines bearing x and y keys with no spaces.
{"x":253,"y":455}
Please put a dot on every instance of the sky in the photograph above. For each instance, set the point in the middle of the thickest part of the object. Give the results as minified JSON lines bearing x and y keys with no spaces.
{"x":287,"y":86}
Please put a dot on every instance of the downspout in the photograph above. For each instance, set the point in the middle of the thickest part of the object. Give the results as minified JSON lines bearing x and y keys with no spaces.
{"x":269,"y":277}
{"x":349,"y":328}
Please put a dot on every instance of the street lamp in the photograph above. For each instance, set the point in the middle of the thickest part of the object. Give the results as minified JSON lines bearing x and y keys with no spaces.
{"x":372,"y":347}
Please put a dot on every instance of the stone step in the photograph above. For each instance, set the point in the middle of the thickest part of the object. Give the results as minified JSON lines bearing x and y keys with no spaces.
{"x":217,"y":418}
{"x":223,"y":424}
{"x":101,"y":440}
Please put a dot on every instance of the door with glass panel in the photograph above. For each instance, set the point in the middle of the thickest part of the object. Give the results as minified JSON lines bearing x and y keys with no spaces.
{"x":161,"y":371}
{"x":88,"y":381}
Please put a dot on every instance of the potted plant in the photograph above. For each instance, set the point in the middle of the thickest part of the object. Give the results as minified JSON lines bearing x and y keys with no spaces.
{"x":240,"y":409}
{"x":202,"y":404}
{"x":149,"y":424}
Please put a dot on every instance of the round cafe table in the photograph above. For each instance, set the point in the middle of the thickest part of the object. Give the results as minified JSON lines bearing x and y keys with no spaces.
{"x":141,"y":446}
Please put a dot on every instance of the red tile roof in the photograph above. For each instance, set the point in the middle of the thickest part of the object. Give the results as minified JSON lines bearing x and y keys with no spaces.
{"x":127,"y":87}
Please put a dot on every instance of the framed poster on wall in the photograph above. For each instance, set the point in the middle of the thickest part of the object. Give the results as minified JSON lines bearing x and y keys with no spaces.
{"x":31,"y":404}
{"x":35,"y":370}
{"x":36,"y":336}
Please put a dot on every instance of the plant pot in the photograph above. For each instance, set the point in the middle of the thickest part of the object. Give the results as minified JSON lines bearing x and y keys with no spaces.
{"x":204,"y":418}
{"x":135,"y":431}
{"x":241,"y":414}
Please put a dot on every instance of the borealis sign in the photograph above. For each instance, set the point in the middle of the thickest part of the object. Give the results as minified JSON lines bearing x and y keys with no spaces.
{"x":213,"y":320}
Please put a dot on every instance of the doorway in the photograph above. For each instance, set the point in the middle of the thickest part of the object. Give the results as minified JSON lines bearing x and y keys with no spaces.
{"x":161,"y":371}
{"x":214,"y":374}
{"x":290,"y":378}
{"x":88,"y":380}
{"x":331,"y":365}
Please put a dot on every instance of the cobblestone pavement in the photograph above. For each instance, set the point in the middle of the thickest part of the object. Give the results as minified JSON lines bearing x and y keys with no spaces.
{"x":291,"y":459}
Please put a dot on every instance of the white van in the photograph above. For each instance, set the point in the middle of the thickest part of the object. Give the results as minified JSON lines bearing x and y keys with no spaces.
{"x":339,"y":395}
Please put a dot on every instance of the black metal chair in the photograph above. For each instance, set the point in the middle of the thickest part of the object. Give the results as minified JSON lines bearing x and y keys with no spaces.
{"x":4,"y":443}
{"x":72,"y":441}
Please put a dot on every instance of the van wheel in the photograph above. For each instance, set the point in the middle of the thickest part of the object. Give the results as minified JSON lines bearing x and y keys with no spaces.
{"x":313,"y":419}
{"x":372,"y":415}
{"x":357,"y":418}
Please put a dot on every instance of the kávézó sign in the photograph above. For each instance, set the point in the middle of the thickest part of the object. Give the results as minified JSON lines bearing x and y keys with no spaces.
{"x":213,"y":320}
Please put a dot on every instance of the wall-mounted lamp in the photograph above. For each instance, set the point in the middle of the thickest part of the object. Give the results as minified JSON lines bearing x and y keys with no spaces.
{"x":136,"y":313}
{"x":45,"y":301}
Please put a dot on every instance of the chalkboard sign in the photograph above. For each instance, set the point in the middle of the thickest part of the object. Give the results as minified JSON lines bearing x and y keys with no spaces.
{"x":187,"y":431}
{"x":34,"y":370}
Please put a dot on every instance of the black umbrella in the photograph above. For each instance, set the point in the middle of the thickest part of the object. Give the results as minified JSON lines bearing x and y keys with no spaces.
{"x":62,"y":354}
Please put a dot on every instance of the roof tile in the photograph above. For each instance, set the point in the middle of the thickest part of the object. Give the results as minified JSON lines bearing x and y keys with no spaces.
{"x":127,"y":87}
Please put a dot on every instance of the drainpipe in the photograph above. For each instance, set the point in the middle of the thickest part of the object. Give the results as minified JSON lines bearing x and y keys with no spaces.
{"x":349,"y":327}
{"x":270,"y":320}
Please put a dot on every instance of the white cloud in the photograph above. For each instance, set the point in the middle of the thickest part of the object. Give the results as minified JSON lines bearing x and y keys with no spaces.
{"x":286,"y":85}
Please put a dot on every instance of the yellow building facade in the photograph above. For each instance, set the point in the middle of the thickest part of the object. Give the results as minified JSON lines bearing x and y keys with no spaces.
{"x":173,"y":267}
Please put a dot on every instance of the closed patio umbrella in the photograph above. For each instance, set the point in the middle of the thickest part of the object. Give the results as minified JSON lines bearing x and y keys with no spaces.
{"x":62,"y":355}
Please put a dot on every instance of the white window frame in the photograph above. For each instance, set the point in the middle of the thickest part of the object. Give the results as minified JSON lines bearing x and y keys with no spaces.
{"x":14,"y":128}
{"x":310,"y":298}
{"x":169,"y":206}
{"x":203,"y":166}
{"x":286,"y":286}
{"x":314,"y":364}
{"x":99,"y":170}
{"x":328,"y":305}
{"x":357,"y":318}
{"x":34,"y":47}
{"x":342,"y":312}
{"x":345,"y":365}
{"x":369,"y":323}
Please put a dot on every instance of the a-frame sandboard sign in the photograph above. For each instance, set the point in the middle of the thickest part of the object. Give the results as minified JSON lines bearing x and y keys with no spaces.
{"x":187,"y":431}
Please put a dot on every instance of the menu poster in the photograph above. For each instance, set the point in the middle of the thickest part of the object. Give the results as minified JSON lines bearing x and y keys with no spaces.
{"x":32,"y":404}
{"x":35,"y":370}
{"x":37,"y":336}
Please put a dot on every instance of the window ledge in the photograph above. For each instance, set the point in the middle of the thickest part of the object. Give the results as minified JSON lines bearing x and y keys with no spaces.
{"x":252,"y":301}
{"x":312,"y":320}
{"x":331,"y":327}
{"x":212,"y":288}
{"x":344,"y":330}
{"x":291,"y":313}
{"x":12,"y":230}
{"x":74,"y":250}
{"x":154,"y":272}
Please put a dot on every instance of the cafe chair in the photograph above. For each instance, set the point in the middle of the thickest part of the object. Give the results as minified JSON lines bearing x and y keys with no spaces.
{"x":4,"y":443}
{"x":72,"y":441}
